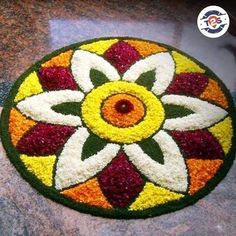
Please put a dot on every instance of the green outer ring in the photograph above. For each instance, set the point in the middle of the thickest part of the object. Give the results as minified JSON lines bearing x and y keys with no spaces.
{"x":51,"y":193}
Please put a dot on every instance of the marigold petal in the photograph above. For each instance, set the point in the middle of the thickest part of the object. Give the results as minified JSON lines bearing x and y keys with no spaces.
{"x":145,"y":48}
{"x":214,"y":93}
{"x":223,"y":131}
{"x":40,"y":166}
{"x":63,"y":59}
{"x":18,"y":125}
{"x":152,"y":196}
{"x":184,"y":64}
{"x":30,"y":86}
{"x":200,"y":172}
{"x":88,"y":192}
{"x":99,"y":47}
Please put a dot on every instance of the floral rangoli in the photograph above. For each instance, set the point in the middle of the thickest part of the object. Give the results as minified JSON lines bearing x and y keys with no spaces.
{"x":120,"y":127}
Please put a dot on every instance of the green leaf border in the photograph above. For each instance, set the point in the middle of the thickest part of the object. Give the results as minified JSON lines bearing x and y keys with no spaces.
{"x":113,"y":213}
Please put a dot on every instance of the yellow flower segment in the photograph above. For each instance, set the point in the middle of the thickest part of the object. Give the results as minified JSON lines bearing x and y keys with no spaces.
{"x":30,"y":86}
{"x":99,"y":47}
{"x":152,"y":196}
{"x":40,"y":166}
{"x":184,"y":64}
{"x":223,"y":131}
{"x":91,"y":113}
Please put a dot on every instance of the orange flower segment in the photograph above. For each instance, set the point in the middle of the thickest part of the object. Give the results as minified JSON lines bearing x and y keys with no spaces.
{"x":214,"y":93}
{"x":18,"y":125}
{"x":62,"y":59}
{"x":123,"y":110}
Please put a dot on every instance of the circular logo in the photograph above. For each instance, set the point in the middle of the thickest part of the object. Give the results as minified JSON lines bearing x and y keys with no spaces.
{"x":213,"y":21}
{"x":120,"y":127}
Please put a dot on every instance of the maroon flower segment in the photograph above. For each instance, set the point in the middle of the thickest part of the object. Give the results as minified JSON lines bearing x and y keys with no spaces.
{"x":56,"y":78}
{"x":188,"y":84}
{"x":120,"y":181}
{"x":122,"y":55}
{"x":44,"y":139}
{"x":124,"y":106}
{"x":198,"y":144}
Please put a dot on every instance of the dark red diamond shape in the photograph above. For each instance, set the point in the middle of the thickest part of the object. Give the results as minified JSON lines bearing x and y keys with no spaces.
{"x":122,"y":55}
{"x":56,"y":78}
{"x":188,"y":84}
{"x":198,"y":144}
{"x":120,"y":181}
{"x":44,"y":139}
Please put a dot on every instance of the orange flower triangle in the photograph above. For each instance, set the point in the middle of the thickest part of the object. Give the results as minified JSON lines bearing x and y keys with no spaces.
{"x":145,"y":48}
{"x":214,"y":93}
{"x":63,"y":59}
{"x":88,"y":192}
{"x":200,"y":172}
{"x":18,"y":125}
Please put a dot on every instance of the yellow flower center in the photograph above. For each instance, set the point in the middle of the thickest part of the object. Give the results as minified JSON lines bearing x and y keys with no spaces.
{"x":122,"y":112}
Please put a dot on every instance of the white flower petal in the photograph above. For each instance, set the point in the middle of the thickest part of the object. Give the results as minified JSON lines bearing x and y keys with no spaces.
{"x":38,"y":107}
{"x":163,"y":65}
{"x":172,"y":174}
{"x":81,"y":64}
{"x":72,"y":170}
{"x":205,"y":115}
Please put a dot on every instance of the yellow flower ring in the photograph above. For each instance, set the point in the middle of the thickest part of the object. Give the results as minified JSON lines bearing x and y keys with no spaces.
{"x":92,"y":115}
{"x":120,"y":128}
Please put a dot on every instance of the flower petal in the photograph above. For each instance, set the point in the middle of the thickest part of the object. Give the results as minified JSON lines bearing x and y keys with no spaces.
{"x":38,"y":107}
{"x":72,"y":170}
{"x":206,"y":114}
{"x":163,"y":65}
{"x":172,"y":174}
{"x":81,"y":64}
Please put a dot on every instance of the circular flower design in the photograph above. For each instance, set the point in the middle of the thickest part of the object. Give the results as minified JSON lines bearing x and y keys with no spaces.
{"x":120,"y":127}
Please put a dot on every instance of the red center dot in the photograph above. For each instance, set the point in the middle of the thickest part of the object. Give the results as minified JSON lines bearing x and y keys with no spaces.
{"x":124,"y":106}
